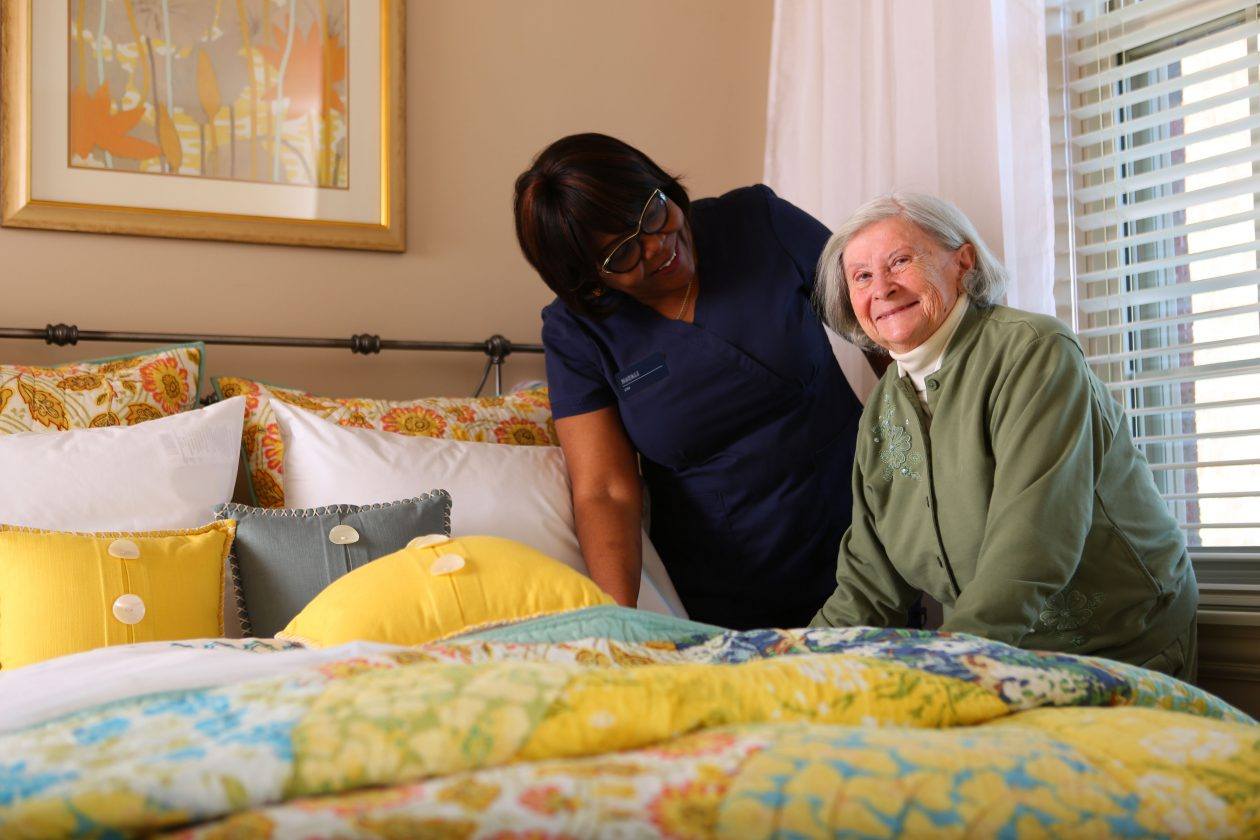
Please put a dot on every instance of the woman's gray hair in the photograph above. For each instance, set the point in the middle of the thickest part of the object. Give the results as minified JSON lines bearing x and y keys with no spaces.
{"x":985,"y":284}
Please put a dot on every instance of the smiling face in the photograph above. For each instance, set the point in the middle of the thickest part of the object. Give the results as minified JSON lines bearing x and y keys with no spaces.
{"x":668,"y":264}
{"x":902,"y":283}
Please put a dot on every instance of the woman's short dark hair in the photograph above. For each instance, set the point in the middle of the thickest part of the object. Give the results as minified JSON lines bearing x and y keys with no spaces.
{"x":580,"y":186}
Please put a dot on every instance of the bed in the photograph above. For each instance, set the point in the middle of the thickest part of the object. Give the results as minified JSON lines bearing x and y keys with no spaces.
{"x":615,"y":722}
{"x":568,"y":717}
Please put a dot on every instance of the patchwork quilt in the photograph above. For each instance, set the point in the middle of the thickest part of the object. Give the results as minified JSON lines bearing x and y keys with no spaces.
{"x":603,"y":723}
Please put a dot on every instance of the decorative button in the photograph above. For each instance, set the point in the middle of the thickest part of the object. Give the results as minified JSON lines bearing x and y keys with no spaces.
{"x":446,"y":564}
{"x":932,"y":384}
{"x":124,"y":550}
{"x":129,"y":609}
{"x":428,"y":541}
{"x":343,"y":535}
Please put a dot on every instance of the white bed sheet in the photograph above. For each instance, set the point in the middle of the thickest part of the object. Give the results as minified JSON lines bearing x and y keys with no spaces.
{"x":48,"y":690}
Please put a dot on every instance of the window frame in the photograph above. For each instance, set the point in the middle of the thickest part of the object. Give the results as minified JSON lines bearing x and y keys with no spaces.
{"x":1229,"y":577}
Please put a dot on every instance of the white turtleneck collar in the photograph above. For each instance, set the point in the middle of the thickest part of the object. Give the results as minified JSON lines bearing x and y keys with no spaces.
{"x":925,"y":360}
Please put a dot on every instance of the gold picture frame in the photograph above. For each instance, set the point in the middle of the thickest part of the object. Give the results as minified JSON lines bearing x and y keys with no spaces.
{"x":45,"y":184}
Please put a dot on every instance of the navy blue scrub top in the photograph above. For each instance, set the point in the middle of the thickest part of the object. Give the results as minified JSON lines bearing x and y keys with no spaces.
{"x":743,"y":421}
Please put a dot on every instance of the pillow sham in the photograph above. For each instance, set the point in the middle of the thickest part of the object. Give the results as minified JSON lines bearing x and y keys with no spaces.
{"x":122,"y":390}
{"x":281,"y":559}
{"x":517,"y":492}
{"x":523,"y":419}
{"x":425,"y":593}
{"x":65,"y":593}
{"x":168,"y":473}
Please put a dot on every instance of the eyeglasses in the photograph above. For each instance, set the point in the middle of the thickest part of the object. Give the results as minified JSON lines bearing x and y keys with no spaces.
{"x":627,"y":253}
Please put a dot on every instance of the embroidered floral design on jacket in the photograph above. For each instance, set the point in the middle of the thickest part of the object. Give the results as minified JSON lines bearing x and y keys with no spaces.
{"x":896,"y":451}
{"x":1069,"y":610}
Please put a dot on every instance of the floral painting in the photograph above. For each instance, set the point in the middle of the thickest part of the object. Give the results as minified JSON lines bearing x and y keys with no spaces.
{"x":238,"y":90}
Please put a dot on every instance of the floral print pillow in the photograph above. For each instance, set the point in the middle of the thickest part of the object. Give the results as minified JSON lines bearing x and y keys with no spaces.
{"x":521,"y":419}
{"x":111,"y":392}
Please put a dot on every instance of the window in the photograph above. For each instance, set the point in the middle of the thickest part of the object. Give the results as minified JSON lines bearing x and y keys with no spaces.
{"x":1160,"y":171}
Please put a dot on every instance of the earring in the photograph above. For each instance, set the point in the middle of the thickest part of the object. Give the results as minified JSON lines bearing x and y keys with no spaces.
{"x":598,"y":291}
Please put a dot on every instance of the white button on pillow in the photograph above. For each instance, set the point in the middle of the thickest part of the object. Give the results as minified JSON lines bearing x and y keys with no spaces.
{"x":343,"y":535}
{"x":164,"y":474}
{"x":129,"y":609}
{"x":446,"y":564}
{"x":516,"y":492}
{"x":124,"y":550}
{"x":427,"y":541}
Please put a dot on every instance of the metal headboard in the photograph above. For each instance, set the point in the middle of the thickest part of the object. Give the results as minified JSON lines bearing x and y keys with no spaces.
{"x":496,"y":348}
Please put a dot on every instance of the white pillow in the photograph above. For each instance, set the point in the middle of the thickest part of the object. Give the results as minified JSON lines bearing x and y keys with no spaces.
{"x":518,"y":492}
{"x":164,"y":474}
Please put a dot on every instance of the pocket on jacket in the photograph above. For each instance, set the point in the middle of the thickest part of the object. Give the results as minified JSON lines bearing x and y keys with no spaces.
{"x":1106,"y":603}
{"x":1110,"y":543}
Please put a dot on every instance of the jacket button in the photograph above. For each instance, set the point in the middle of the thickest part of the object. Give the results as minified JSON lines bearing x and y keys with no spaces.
{"x":927,"y":500}
{"x":940,"y":562}
{"x":932,"y":384}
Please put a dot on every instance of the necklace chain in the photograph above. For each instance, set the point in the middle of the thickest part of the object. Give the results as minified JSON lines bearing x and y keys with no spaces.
{"x":686,"y":299}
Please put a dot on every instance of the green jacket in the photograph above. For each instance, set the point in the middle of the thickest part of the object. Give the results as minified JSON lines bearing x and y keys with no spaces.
{"x":1021,"y":504}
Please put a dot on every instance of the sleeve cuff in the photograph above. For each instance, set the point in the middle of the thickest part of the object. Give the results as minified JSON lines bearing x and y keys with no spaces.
{"x":560,"y":410}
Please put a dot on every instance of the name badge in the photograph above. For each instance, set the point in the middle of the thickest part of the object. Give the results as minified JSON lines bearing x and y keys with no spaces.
{"x":639,"y":375}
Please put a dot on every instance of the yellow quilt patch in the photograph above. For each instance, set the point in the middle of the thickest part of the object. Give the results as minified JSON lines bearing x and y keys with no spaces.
{"x":619,"y":709}
{"x":420,"y":720}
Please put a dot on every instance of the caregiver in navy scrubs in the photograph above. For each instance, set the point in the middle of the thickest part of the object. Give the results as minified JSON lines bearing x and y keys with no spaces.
{"x":683,"y":344}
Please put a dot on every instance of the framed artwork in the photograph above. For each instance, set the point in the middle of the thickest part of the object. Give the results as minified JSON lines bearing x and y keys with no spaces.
{"x":276,"y":121}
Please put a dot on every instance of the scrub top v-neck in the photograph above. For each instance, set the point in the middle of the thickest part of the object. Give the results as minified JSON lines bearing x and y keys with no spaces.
{"x":743,"y":421}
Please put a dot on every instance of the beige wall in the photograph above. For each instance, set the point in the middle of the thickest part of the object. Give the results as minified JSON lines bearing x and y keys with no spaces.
{"x":489,"y":83}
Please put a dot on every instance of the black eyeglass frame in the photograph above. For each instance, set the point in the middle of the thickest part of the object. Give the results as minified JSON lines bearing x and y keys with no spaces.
{"x":639,"y":231}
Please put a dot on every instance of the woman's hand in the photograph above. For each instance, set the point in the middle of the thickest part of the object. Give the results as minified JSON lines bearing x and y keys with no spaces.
{"x":607,"y":500}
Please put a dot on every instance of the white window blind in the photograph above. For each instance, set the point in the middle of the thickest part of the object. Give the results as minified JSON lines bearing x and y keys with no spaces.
{"x":1159,"y":104}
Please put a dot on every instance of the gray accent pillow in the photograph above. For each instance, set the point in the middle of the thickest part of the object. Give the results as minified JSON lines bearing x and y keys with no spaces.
{"x":282,"y":558}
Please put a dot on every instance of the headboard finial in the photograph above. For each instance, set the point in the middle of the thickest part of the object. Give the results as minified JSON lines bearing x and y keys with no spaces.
{"x":498,"y":348}
{"x":365,"y":344}
{"x":61,"y":334}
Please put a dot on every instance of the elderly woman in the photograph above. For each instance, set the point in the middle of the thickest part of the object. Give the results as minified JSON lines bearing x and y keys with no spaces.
{"x":993,"y":472}
{"x":683,"y":343}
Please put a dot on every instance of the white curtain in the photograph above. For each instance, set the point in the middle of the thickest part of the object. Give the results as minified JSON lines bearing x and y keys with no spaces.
{"x":947,"y":97}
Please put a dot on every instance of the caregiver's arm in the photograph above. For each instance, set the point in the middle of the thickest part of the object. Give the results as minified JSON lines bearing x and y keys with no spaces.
{"x":1049,"y":436}
{"x":607,"y":500}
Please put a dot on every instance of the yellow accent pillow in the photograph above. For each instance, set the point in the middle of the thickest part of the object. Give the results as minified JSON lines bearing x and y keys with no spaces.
{"x":418,"y":595}
{"x":522,"y":419}
{"x":64,"y":593}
